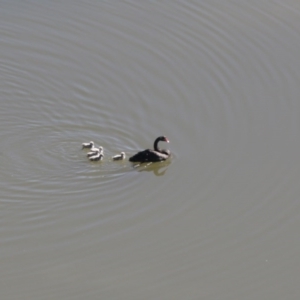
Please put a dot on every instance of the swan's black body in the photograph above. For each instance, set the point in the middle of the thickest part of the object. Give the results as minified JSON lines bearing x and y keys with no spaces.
{"x":150,"y":155}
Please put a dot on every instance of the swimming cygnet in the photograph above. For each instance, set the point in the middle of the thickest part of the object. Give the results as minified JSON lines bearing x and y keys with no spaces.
{"x":88,"y":145}
{"x":94,"y":151}
{"x":96,"y":157}
{"x":119,"y":156}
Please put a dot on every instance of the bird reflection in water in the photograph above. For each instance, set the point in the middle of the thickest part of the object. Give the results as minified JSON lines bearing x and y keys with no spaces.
{"x":158,"y":168}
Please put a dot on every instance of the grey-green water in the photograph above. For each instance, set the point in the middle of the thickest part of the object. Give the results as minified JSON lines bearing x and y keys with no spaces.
{"x":220,"y":79}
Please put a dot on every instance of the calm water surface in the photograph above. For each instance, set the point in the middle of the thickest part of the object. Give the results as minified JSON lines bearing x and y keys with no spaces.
{"x":220,"y":219}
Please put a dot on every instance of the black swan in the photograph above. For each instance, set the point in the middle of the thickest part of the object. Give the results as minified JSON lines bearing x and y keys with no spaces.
{"x":150,"y":155}
{"x":119,"y":156}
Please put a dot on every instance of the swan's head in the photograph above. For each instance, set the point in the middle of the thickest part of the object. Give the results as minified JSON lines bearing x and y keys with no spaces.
{"x":163,"y":139}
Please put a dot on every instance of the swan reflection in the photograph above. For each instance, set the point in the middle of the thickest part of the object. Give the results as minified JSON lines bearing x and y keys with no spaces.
{"x":159,"y":169}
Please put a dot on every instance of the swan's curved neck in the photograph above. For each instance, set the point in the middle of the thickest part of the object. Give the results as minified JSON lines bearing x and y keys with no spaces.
{"x":156,"y":145}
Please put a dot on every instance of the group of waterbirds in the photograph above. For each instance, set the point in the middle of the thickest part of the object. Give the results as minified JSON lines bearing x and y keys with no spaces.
{"x":145,"y":156}
{"x":96,"y":153}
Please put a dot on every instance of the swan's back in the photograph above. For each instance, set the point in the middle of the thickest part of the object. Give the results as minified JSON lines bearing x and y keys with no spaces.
{"x":149,"y":155}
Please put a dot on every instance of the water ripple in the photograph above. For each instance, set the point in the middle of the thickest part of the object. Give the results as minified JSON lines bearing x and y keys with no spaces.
{"x":220,"y":81}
